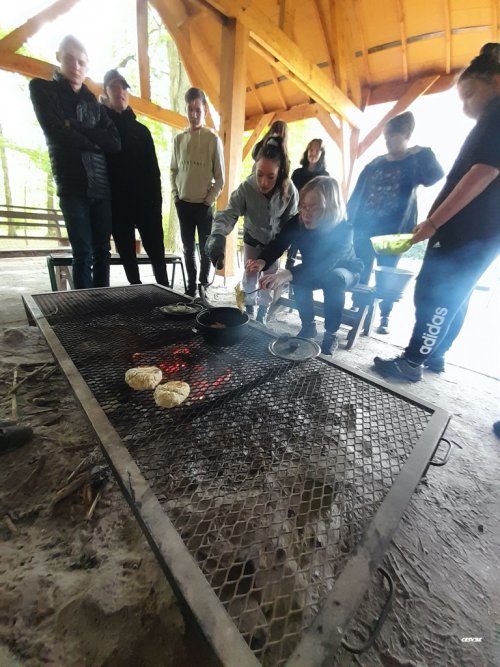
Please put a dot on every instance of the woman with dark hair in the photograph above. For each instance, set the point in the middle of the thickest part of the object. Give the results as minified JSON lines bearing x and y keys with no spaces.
{"x":278,"y":129}
{"x":313,"y":164}
{"x":324,"y":238}
{"x":384,"y":200}
{"x":196,"y":178}
{"x":462,"y":227}
{"x":267,"y":199}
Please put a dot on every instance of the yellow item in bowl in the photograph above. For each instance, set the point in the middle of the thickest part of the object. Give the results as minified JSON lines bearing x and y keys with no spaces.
{"x":240,"y":297}
{"x":391,"y":244}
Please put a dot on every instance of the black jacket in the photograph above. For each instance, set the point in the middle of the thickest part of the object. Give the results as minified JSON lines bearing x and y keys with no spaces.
{"x":322,"y":250}
{"x":133,"y":172}
{"x":302,"y":175}
{"x":78,"y":132}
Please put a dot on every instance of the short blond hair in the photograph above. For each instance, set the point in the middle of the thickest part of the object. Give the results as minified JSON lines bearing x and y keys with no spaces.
{"x":329,"y":190}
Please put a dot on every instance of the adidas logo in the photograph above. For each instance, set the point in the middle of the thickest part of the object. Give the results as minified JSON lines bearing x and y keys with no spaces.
{"x":432,"y":332}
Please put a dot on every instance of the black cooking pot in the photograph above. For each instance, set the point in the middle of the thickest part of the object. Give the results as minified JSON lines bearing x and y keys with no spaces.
{"x":234,"y":329}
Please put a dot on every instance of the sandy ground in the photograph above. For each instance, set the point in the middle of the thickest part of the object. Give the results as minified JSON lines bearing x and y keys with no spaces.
{"x":87,"y":593}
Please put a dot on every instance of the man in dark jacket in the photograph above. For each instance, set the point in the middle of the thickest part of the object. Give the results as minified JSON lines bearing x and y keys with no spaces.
{"x":79,"y":132}
{"x":135,"y":185}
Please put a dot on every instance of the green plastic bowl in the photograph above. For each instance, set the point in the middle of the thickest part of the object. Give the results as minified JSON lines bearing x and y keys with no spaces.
{"x":391,"y":244}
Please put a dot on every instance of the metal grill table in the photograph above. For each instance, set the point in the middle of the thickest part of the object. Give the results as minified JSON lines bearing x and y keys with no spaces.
{"x":271,"y":494}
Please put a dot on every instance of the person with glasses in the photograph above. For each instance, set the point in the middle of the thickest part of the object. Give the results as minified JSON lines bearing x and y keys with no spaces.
{"x":323,"y":236}
{"x":196,"y":179}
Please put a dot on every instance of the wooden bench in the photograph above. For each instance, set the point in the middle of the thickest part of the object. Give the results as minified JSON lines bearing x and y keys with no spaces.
{"x":61,"y":276}
{"x":30,"y":219}
{"x":360,"y":321}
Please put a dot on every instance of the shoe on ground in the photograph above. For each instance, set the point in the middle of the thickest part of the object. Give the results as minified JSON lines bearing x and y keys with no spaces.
{"x":261,"y":314}
{"x":397,"y":369}
{"x":496,"y":429}
{"x":435,"y":364}
{"x":329,"y":344}
{"x":384,"y":326}
{"x":191,"y":291}
{"x":250,"y":311}
{"x":12,"y":437}
{"x":308,"y":330}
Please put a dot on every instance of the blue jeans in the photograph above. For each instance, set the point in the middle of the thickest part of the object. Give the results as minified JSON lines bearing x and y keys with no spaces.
{"x":334,"y":285}
{"x":88,"y":222}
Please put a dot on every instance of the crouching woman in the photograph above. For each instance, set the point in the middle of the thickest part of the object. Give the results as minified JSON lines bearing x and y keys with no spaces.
{"x":324,"y":238}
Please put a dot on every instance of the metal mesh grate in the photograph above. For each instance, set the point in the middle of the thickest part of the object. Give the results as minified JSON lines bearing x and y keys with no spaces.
{"x":270,"y":471}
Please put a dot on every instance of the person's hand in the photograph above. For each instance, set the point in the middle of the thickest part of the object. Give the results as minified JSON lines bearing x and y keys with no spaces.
{"x":254,"y":265}
{"x":216,"y":249}
{"x":274,"y":280}
{"x":423,"y":231}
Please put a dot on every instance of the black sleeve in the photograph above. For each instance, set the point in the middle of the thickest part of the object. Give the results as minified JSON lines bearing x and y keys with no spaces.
{"x":355,"y":202}
{"x":153,"y":167}
{"x":50,"y":115}
{"x":281,"y":242}
{"x":429,"y":171}
{"x":487,"y":145}
{"x":335,"y":253}
{"x":104,"y":133}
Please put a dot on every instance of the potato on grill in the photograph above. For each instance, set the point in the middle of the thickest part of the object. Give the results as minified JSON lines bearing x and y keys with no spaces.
{"x":143,"y":377}
{"x":171,"y":394}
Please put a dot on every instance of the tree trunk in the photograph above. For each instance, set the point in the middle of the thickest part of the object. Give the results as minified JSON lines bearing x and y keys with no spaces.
{"x":179,"y":83}
{"x":6,"y":181}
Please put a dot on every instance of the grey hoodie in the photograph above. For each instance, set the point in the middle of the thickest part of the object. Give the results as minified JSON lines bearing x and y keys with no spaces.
{"x":263,"y":217}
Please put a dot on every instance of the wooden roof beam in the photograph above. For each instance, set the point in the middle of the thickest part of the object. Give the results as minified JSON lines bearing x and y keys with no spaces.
{"x":388,"y":92}
{"x":287,"y":17}
{"x":321,"y":12}
{"x":494,"y":20}
{"x":296,"y":113}
{"x":264,"y":121}
{"x":142,"y":48}
{"x":15,"y":39}
{"x":402,"y":33}
{"x":31,"y":67}
{"x":288,"y":56}
{"x":418,"y":88}
{"x":447,"y":34}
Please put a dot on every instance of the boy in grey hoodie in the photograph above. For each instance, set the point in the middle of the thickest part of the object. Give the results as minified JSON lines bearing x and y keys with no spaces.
{"x":196,"y":179}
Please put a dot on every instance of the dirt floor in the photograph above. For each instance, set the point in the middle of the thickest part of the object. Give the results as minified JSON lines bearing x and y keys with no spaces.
{"x":89,"y":593}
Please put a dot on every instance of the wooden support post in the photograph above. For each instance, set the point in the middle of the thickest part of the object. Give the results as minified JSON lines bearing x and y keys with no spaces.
{"x":264,"y":122}
{"x":142,"y":48}
{"x":232,"y":110}
{"x":420,"y":87}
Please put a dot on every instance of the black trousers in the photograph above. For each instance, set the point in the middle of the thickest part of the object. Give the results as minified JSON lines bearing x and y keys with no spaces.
{"x":364,"y":250}
{"x":149,"y":223}
{"x":334,"y":286}
{"x":192,"y":218}
{"x":442,"y":292}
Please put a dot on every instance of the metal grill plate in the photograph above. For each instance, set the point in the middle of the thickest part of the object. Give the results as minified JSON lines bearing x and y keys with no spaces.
{"x":272,"y":473}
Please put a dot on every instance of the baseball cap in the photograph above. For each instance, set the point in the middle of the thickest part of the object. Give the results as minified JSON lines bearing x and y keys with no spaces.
{"x":114,"y":75}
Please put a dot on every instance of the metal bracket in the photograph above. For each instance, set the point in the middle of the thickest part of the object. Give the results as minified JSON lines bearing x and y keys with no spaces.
{"x":380,"y":620}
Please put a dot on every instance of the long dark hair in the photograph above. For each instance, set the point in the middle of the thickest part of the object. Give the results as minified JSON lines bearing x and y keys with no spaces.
{"x":321,"y":163}
{"x":278,"y":129}
{"x":484,"y":66}
{"x":273,"y":149}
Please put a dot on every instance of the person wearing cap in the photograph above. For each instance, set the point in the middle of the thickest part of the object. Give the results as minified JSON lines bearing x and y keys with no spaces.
{"x":79,"y":133}
{"x":135,"y":185}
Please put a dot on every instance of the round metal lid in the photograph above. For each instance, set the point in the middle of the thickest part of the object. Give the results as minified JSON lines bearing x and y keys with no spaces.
{"x":294,"y":348}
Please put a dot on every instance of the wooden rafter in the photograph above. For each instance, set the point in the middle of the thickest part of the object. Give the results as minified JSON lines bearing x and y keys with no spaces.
{"x":286,"y":20}
{"x":323,"y":23}
{"x":420,"y":87}
{"x":253,"y":89}
{"x":278,"y":88}
{"x":494,"y":20}
{"x":447,"y":34}
{"x":358,"y":25}
{"x":402,"y":33}
{"x":336,"y":29}
{"x":299,"y":112}
{"x":15,"y":39}
{"x":31,"y":67}
{"x":263,"y":122}
{"x":288,"y":56}
{"x":395,"y":90}
{"x":142,"y":48}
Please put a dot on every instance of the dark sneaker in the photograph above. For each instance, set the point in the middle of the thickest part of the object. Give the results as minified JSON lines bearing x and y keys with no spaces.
{"x":12,"y":437}
{"x":308,"y":330}
{"x":496,"y":429}
{"x":384,"y":326}
{"x":191,"y":291}
{"x":250,"y":311}
{"x":435,"y":364}
{"x":397,"y":369}
{"x":330,"y":343}
{"x":261,"y":314}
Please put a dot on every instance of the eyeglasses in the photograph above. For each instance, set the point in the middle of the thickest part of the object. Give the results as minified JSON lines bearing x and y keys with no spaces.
{"x":313,"y":209}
